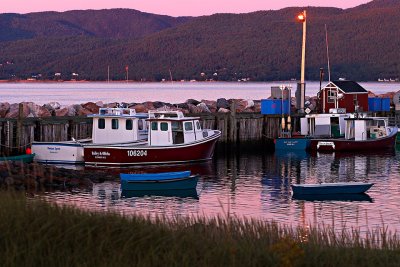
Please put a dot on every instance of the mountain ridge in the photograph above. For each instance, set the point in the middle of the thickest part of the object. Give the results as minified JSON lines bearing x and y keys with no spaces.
{"x":262,"y":45}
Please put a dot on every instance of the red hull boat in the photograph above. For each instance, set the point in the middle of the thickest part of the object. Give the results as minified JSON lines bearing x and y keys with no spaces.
{"x":172,"y":138}
{"x":145,"y":154}
{"x":343,"y":144}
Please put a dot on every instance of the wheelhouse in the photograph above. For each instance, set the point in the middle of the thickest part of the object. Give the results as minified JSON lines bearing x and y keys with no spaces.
{"x":360,"y":129}
{"x":122,"y":125}
{"x":171,"y":127}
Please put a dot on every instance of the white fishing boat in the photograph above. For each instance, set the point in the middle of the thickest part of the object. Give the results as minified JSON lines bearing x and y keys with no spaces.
{"x":172,"y":138}
{"x":110,"y":126}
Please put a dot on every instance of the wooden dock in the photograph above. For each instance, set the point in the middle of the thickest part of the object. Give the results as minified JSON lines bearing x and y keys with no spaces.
{"x":17,"y":134}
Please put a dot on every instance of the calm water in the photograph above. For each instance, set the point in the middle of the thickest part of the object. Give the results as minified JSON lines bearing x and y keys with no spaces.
{"x":256,"y":184}
{"x":74,"y":93}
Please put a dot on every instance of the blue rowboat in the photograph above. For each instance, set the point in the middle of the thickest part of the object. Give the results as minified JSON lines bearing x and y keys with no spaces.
{"x":330,"y":188}
{"x":158,"y":181}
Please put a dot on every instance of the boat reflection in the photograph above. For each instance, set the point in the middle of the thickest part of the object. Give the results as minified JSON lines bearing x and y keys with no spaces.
{"x":335,"y":197}
{"x":200,"y":168}
{"x":187,"y":193}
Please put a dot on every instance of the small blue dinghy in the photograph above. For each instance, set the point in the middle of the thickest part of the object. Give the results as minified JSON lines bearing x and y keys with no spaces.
{"x":331,"y":188}
{"x":158,"y":181}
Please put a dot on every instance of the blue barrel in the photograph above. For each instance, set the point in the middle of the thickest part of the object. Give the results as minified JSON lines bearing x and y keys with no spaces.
{"x":385,"y":104}
{"x":274,"y":106}
{"x":374,"y":104}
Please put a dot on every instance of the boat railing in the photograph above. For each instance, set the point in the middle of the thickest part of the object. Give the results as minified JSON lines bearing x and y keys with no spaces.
{"x":117,"y":111}
{"x":155,"y":114}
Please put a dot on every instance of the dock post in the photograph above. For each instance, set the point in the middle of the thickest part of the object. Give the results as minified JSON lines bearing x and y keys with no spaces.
{"x":233,"y":125}
{"x":18,"y":140}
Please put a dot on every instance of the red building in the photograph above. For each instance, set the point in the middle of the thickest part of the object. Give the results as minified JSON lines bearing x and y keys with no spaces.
{"x":343,"y":94}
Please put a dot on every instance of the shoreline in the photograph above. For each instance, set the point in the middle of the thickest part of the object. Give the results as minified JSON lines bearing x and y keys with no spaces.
{"x":166,"y":82}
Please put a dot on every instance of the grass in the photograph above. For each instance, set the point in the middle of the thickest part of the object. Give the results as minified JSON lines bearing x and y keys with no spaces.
{"x":35,"y":233}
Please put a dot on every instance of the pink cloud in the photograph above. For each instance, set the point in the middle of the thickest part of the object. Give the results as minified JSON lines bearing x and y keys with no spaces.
{"x":168,"y":7}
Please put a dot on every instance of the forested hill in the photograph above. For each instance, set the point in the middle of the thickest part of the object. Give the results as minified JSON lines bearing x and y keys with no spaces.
{"x":112,"y":23}
{"x":266,"y":45}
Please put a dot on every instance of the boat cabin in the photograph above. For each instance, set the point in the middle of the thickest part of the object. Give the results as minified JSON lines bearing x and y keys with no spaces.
{"x":172,"y":127}
{"x":361,"y":129}
{"x":324,"y":125}
{"x":122,"y":125}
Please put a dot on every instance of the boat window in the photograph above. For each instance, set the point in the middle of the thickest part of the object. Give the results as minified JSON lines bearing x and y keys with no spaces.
{"x":176,"y":126}
{"x":140,"y":125}
{"x":188,"y":126}
{"x":164,"y":126}
{"x":198,"y":125}
{"x":381,"y":123}
{"x":102,"y":124}
{"x":129,"y":124}
{"x":154,"y":126}
{"x":114,"y":124}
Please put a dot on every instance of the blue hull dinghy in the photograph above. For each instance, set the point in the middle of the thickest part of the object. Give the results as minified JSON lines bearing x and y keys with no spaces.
{"x":330,"y":188}
{"x":158,"y":181}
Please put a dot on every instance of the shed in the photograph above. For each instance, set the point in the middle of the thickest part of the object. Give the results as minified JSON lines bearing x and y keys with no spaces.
{"x":347,"y":95}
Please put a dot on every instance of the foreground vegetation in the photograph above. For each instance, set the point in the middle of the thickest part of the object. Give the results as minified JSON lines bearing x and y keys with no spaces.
{"x":33,"y":233}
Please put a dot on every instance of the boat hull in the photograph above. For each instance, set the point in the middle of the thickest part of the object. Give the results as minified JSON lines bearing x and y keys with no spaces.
{"x":155,"y":185}
{"x":292,"y":143}
{"x":329,"y":189}
{"x":27,"y":158}
{"x":334,"y":197}
{"x":68,"y":152}
{"x":351,"y":145}
{"x":145,"y":154}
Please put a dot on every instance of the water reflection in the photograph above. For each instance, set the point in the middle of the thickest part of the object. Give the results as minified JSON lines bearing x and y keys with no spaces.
{"x":334,"y":197}
{"x":188,"y":193}
{"x":255,"y":183}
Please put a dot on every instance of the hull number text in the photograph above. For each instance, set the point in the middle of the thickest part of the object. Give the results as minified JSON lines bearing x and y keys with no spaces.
{"x":137,"y":153}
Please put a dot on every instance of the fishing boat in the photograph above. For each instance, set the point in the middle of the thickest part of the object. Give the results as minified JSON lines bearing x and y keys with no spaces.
{"x":362,"y":133}
{"x":172,"y":138}
{"x":25,"y":158}
{"x":158,"y":181}
{"x":331,"y":188}
{"x":110,"y":126}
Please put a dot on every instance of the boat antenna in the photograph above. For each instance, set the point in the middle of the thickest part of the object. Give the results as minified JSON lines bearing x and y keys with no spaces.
{"x":327,"y":52}
{"x":170,"y":75}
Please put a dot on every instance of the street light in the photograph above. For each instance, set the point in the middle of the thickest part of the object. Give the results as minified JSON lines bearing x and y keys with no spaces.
{"x":301,"y":87}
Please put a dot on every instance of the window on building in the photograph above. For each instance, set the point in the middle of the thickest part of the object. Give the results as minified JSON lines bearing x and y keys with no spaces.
{"x":164,"y":126}
{"x":188,"y":126}
{"x":114,"y":124}
{"x":355,"y":100}
{"x":129,"y":125}
{"x":154,"y":126}
{"x":331,"y":96}
{"x":102,"y":124}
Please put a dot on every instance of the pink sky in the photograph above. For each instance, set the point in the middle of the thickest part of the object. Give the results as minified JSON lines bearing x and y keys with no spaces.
{"x":169,"y":7}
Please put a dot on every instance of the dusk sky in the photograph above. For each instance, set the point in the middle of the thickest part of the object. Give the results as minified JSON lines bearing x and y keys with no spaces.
{"x":169,"y":7}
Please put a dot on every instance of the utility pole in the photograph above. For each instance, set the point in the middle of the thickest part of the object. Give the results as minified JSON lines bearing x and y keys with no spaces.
{"x":301,"y":87}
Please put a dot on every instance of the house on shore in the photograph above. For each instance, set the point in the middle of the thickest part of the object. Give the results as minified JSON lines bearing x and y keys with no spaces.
{"x":347,"y":95}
